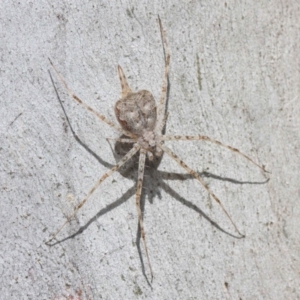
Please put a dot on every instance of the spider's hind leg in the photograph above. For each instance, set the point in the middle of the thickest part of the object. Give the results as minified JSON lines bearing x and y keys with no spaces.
{"x":162,"y":102}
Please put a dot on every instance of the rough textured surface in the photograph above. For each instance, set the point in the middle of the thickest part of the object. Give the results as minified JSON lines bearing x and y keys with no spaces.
{"x":234,"y":77}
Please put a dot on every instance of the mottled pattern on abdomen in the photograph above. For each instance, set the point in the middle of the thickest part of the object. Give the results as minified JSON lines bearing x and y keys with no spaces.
{"x":137,"y":112}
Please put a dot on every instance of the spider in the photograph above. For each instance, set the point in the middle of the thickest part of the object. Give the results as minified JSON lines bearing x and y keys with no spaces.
{"x":142,"y":123}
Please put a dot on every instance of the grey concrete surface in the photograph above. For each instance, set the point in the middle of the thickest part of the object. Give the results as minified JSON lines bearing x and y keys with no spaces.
{"x":234,"y":77}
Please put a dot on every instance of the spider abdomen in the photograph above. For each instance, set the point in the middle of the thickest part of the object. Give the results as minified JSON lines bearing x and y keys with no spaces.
{"x":136,"y":112}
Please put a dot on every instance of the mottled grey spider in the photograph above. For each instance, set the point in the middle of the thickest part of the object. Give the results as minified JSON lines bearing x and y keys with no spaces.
{"x":142,"y":122}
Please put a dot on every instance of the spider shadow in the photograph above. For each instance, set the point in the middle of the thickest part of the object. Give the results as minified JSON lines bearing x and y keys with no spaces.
{"x":153,"y":183}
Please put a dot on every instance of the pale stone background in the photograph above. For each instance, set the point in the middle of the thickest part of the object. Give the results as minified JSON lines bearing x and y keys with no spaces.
{"x":234,"y":76}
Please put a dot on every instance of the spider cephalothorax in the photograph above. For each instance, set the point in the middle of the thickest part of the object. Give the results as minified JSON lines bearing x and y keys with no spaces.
{"x":142,"y":123}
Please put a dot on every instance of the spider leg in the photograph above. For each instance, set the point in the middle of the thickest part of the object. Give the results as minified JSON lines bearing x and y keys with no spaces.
{"x":141,"y":169}
{"x":162,"y":102}
{"x":206,"y":138}
{"x":196,"y":175}
{"x":162,"y":124}
{"x":130,"y":141}
{"x":134,"y":150}
{"x":124,"y":84}
{"x":76,"y":98}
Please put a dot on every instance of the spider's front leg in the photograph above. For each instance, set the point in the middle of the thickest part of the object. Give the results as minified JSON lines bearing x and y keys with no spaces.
{"x":196,"y":175}
{"x":141,"y":169}
{"x":134,"y":150}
